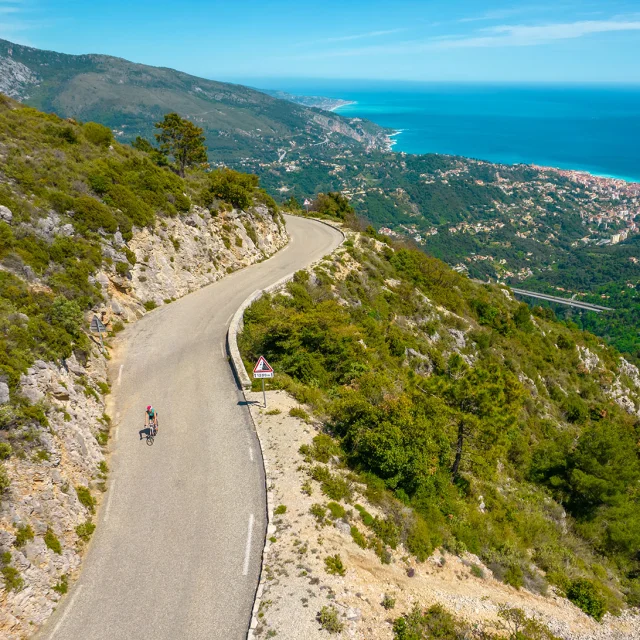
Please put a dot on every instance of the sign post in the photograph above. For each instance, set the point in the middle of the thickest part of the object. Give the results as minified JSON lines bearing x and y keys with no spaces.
{"x":261,"y":371}
{"x":98,"y":327}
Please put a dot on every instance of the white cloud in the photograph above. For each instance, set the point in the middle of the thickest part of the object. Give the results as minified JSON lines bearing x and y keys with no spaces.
{"x":523,"y":35}
{"x":360,"y":36}
{"x":356,"y":36}
{"x":498,"y":36}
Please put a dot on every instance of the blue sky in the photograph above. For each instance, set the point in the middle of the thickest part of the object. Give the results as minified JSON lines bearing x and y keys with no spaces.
{"x":442,"y":40}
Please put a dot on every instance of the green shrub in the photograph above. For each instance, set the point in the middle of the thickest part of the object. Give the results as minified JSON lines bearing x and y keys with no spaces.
{"x":12,"y":579}
{"x":51,"y":540}
{"x":231,"y":186}
{"x":85,"y":530}
{"x":435,"y":622}
{"x":358,"y":538}
{"x":514,"y":576}
{"x":324,"y":448}
{"x":280,"y":510}
{"x":329,"y":620}
{"x":334,"y":566}
{"x":419,"y":540}
{"x":131,"y":256}
{"x":318,"y":512}
{"x":97,"y":134}
{"x":336,"y":510}
{"x":63,"y":584}
{"x":23,"y":535}
{"x":388,"y":602}
{"x":85,"y":498}
{"x":585,"y":595}
{"x":477,"y":571}
{"x":5,"y":482}
{"x":5,"y":450}
{"x":150,"y":305}
{"x":367,"y":518}
{"x":298,"y":412}
{"x":122,"y":269}
{"x":90,"y":214}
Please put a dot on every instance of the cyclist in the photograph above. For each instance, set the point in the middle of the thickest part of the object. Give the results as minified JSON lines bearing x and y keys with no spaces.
{"x":151,"y":418}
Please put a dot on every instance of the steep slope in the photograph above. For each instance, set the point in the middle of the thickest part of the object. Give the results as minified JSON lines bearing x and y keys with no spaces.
{"x":238,"y":121}
{"x":87,"y":227}
{"x":467,"y":423}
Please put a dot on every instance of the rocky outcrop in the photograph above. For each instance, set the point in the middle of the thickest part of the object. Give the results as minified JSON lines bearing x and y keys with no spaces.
{"x":43,"y":495}
{"x":58,"y":466}
{"x":15,"y":78}
{"x":183,"y":254}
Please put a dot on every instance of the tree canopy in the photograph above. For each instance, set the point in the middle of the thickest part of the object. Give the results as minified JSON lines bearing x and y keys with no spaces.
{"x":181,"y":141}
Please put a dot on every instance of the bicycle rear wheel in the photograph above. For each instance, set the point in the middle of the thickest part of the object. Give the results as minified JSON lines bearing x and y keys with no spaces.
{"x":149,"y":440}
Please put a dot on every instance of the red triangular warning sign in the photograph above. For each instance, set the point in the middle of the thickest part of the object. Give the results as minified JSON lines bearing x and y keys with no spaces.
{"x":262,"y":366}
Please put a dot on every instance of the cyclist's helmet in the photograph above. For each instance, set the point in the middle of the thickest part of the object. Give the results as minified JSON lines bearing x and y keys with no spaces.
{"x":148,"y":408}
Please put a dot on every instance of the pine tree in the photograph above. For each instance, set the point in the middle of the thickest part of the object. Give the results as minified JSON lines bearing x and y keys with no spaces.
{"x":181,"y":140}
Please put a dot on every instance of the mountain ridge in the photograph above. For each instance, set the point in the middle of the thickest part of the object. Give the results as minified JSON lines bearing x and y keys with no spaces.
{"x":129,"y":97}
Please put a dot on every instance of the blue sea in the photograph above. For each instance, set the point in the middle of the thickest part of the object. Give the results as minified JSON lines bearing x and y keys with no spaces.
{"x":589,"y":128}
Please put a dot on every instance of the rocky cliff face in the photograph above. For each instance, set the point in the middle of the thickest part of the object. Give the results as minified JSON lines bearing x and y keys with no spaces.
{"x":15,"y":78}
{"x":46,"y":511}
{"x":182,"y":255}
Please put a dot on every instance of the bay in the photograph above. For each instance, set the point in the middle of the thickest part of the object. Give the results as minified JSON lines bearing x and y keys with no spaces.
{"x":588,"y":128}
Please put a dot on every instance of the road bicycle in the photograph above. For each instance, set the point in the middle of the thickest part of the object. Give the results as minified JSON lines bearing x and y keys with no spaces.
{"x":152,"y":431}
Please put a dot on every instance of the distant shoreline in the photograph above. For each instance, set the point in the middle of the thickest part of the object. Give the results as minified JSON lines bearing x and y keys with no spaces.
{"x":344,"y":103}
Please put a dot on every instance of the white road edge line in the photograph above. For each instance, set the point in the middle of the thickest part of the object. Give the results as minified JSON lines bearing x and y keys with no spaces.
{"x":247,"y":553}
{"x":120,"y":374}
{"x":229,"y":319}
{"x":222,"y":348}
{"x":251,"y":454}
{"x":66,"y":611}
{"x":108,"y":505}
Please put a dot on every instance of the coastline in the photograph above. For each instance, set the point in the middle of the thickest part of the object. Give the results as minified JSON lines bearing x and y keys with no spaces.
{"x":344,"y":103}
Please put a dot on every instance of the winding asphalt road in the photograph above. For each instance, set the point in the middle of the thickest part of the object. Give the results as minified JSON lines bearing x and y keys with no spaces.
{"x":176,"y":554}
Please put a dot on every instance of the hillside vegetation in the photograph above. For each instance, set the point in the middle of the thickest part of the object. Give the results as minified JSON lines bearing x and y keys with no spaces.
{"x":239,"y":122}
{"x":509,"y":435}
{"x":70,"y":200}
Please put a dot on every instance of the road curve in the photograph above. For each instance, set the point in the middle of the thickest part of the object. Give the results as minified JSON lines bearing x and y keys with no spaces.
{"x":179,"y":540}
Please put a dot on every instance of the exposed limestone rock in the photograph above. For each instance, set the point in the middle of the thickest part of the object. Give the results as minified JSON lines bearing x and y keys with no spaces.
{"x":5,"y":214}
{"x":180,"y":255}
{"x":183,"y":254}
{"x":4,"y":393}
{"x":589,"y":360}
{"x":15,"y":78}
{"x":625,"y":390}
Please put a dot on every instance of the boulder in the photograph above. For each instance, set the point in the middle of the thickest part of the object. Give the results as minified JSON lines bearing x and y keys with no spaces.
{"x":4,"y":393}
{"x":60,"y":393}
{"x":5,"y":214}
{"x":343,"y":526}
{"x":32,"y":394}
{"x":116,"y":308}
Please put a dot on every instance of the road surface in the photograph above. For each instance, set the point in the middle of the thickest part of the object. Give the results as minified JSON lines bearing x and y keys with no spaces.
{"x":177,"y":550}
{"x":568,"y":301}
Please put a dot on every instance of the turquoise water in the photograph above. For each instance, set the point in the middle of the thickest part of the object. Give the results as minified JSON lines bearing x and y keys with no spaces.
{"x":595,"y":129}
